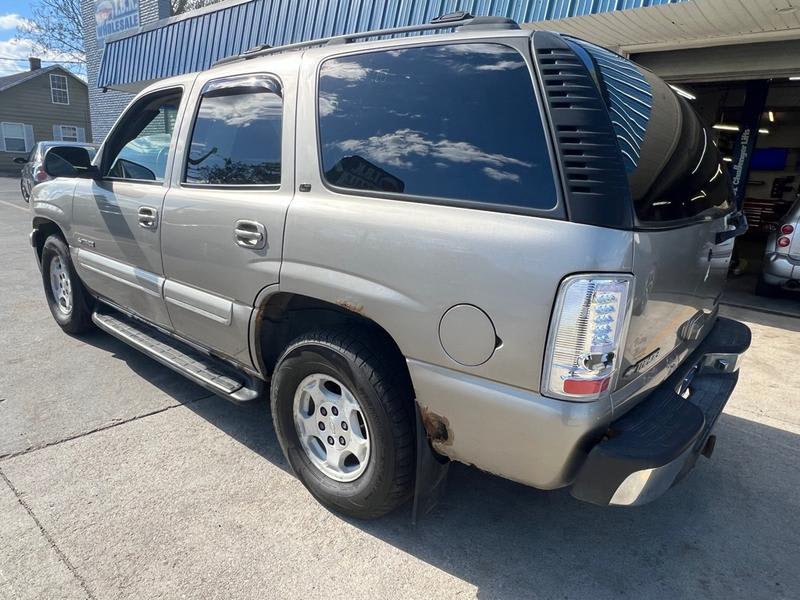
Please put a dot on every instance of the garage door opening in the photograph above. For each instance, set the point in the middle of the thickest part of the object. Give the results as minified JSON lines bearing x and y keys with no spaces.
{"x":772,"y":181}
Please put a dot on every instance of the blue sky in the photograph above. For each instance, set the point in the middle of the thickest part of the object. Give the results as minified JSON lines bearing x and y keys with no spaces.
{"x":11,"y":14}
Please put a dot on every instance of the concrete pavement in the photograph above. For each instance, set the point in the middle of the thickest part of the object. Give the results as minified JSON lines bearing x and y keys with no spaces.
{"x":118,"y":479}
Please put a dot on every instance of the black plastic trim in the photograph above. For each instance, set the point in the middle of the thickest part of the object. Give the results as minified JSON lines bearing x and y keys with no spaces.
{"x":665,"y":428}
{"x":593,"y":174}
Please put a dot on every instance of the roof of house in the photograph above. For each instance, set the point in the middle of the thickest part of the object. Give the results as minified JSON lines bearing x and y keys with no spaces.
{"x":11,"y":80}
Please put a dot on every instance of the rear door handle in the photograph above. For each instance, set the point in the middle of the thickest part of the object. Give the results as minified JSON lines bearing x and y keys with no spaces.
{"x":148,"y":217}
{"x":250,"y":234}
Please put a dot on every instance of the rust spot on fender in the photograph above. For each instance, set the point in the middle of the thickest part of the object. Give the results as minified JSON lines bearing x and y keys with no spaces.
{"x":437,"y":427}
{"x":351,"y":306}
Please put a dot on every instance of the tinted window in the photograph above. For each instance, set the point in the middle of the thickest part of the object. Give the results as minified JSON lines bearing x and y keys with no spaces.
{"x":458,"y":122}
{"x":675,"y":171}
{"x":139,"y":147}
{"x":236,"y":139}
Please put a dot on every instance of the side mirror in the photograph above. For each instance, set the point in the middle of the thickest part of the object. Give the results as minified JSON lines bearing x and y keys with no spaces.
{"x":21,"y":160}
{"x":69,"y":161}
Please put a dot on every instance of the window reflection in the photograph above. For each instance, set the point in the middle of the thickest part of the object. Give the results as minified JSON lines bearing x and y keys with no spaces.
{"x":236,"y":139}
{"x":144,"y":140}
{"x":457,"y":121}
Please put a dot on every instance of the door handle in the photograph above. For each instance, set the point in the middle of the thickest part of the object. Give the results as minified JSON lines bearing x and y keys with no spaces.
{"x":250,"y":234}
{"x":148,"y":217}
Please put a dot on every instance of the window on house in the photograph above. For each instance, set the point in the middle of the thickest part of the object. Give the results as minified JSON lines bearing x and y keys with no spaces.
{"x":14,"y":137}
{"x":69,"y":133}
{"x":59,"y":93}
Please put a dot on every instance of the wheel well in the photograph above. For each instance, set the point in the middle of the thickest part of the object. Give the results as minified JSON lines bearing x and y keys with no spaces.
{"x":45,"y":228}
{"x":286,"y":316}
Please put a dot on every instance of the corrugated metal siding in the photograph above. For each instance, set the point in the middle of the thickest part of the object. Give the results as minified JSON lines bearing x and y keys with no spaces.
{"x":194,"y":43}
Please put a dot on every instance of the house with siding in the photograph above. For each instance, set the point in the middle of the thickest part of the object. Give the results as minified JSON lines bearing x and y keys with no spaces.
{"x":38,"y":105}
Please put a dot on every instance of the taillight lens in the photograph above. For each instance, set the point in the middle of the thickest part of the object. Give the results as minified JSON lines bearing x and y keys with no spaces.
{"x":787,"y":229}
{"x":40,"y":175}
{"x":783,"y":242}
{"x":588,"y":324}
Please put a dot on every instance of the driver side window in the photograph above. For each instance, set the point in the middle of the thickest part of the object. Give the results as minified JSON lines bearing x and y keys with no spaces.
{"x":139,"y":146}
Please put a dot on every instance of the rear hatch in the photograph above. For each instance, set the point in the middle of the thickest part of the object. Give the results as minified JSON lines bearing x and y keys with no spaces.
{"x":682,"y":201}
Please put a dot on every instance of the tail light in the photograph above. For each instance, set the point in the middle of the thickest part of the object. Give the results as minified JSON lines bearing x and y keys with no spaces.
{"x":586,"y":335}
{"x":40,"y":175}
{"x":787,"y":229}
{"x":783,"y":242}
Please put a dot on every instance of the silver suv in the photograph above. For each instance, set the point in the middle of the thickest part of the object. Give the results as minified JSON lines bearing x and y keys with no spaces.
{"x":494,"y":246}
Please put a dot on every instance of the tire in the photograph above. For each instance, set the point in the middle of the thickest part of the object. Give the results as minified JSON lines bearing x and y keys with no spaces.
{"x":25,"y":195}
{"x":70,"y":309}
{"x":767,"y":290}
{"x":358,"y":362}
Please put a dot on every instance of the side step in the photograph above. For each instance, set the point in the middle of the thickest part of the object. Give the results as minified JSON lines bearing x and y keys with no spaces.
{"x":212,"y":373}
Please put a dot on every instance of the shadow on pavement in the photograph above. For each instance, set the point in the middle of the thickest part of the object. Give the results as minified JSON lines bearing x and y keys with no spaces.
{"x":250,"y":424}
{"x":732,"y":519}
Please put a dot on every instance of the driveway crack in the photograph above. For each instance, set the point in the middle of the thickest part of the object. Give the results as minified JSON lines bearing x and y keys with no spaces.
{"x":114,"y":423}
{"x":59,"y":552}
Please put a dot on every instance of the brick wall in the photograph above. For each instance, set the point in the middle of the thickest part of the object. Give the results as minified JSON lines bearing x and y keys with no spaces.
{"x":105,"y":107}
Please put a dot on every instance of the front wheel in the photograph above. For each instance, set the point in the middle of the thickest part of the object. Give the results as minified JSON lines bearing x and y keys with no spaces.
{"x":68,"y":300}
{"x":25,"y":194}
{"x":343,"y":414}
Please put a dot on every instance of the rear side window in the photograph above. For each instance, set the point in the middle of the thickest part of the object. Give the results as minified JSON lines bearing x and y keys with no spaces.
{"x":236,"y":138}
{"x":675,"y":171}
{"x":456,"y":122}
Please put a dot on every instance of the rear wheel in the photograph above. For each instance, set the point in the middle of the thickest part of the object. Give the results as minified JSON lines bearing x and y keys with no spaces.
{"x":68,"y":300}
{"x":343,"y":412}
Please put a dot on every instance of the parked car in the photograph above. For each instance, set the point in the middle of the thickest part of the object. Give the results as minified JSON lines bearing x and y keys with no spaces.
{"x":496,"y":246}
{"x":781,"y":267}
{"x":33,"y":172}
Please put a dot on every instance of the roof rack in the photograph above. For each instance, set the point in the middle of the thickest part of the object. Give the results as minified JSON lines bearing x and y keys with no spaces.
{"x":459,"y":19}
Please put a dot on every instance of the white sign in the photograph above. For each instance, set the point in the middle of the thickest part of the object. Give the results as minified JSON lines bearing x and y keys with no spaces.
{"x":113,"y":16}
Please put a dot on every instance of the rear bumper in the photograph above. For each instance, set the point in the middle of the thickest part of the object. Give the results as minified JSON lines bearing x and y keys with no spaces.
{"x":779,"y":269}
{"x":650,"y":448}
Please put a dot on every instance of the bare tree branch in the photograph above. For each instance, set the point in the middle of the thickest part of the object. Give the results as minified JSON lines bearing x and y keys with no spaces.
{"x":56,"y":27}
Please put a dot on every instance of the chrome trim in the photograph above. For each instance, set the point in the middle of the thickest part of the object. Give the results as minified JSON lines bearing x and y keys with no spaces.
{"x":641,"y":487}
{"x":204,"y":304}
{"x":120,"y":272}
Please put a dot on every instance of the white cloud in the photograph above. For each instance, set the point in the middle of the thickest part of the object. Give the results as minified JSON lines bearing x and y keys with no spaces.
{"x":242,"y":110}
{"x":12,"y":21}
{"x":500,"y":175}
{"x":397,"y":147}
{"x":503,"y":65}
{"x":342,"y":69}
{"x":21,"y":50}
{"x":328,"y":103}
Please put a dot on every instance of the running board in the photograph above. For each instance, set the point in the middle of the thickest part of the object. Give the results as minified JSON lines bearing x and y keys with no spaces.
{"x":212,"y":373}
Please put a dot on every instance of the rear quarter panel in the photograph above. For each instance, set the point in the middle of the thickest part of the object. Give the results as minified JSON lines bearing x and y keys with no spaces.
{"x":403,"y":264}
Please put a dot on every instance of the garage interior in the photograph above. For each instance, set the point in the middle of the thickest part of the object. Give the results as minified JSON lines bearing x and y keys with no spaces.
{"x":773,"y":178}
{"x":718,"y":52}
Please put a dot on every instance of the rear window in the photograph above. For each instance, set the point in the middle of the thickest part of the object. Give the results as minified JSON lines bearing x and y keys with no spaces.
{"x":675,"y":171}
{"x":456,"y":122}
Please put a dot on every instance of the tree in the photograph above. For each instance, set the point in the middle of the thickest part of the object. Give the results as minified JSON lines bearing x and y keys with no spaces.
{"x":56,"y":27}
{"x":182,"y":6}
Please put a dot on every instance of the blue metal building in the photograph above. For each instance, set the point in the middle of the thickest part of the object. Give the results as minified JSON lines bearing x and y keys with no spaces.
{"x":194,"y":41}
